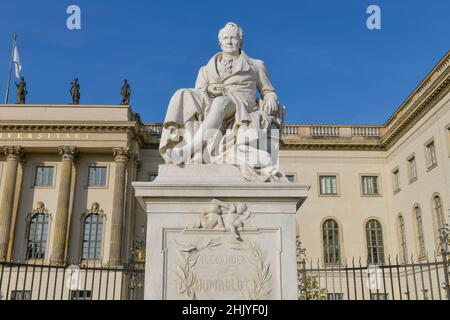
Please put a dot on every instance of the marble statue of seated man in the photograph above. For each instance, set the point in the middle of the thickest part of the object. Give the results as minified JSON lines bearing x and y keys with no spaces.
{"x":224,"y":97}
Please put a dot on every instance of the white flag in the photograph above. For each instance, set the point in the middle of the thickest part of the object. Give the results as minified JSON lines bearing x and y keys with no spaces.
{"x":16,"y":61}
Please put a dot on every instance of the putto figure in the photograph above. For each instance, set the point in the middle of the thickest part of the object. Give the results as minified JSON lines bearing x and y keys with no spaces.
{"x":75,"y":91}
{"x":125,"y":92}
{"x":21,"y":91}
{"x":203,"y":124}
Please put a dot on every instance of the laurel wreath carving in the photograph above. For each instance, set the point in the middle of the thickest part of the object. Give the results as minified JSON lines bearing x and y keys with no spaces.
{"x":261,"y":284}
{"x":189,"y":257}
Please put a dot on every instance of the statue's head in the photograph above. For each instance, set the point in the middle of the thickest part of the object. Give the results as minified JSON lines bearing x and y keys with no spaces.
{"x":213,"y":208}
{"x":22,"y":78}
{"x":231,"y":38}
{"x":241,"y":207}
{"x":95,"y":207}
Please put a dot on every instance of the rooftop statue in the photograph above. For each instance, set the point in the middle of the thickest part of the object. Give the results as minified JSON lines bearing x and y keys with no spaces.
{"x":75,"y":91}
{"x":221,"y":120}
{"x":21,"y":91}
{"x":125,"y":92}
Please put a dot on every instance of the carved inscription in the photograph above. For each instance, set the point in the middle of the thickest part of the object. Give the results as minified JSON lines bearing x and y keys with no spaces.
{"x":223,"y":268}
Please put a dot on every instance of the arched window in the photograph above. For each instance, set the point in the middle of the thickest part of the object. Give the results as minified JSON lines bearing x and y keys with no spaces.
{"x":419,"y":232}
{"x":331,"y":242}
{"x":92,"y":236}
{"x":37,"y":233}
{"x":438,"y":213}
{"x":374,"y":236}
{"x":402,"y":234}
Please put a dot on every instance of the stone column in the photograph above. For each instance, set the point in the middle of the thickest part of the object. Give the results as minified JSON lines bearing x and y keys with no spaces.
{"x":13,"y":156}
{"x":121,"y":157}
{"x":60,"y":226}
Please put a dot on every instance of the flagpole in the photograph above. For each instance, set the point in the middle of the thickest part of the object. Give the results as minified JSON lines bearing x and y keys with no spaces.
{"x":10,"y":68}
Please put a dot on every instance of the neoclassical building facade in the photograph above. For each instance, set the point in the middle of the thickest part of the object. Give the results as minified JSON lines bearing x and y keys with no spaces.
{"x":376,"y":191}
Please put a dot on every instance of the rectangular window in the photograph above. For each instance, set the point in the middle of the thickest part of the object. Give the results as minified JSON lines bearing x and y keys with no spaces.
{"x":290,"y":177}
{"x":81,"y":295}
{"x":448,"y":140}
{"x":335,"y":296}
{"x":97,"y":176}
{"x":412,"y":168}
{"x":431,"y":154}
{"x":152,"y":176}
{"x":378,"y":296}
{"x":370,"y":185}
{"x":44,"y":176}
{"x":21,"y":295}
{"x":328,"y":185}
{"x":396,"y":179}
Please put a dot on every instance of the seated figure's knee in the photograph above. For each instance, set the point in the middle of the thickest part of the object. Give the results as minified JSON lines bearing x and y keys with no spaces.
{"x":180,"y":92}
{"x":222,"y":103}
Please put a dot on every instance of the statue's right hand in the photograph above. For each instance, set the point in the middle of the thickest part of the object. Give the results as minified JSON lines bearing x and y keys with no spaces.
{"x":215,"y":90}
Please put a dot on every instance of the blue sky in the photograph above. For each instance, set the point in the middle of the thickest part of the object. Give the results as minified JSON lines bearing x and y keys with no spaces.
{"x":327,"y":67}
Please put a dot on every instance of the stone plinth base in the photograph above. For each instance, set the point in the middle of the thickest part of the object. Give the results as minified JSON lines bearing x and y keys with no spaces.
{"x":246,"y":251}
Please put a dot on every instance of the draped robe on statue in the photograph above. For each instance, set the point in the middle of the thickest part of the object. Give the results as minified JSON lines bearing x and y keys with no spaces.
{"x":188,"y":107}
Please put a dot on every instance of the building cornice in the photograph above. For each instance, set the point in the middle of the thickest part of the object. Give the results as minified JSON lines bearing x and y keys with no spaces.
{"x":416,"y":112}
{"x":430,"y":91}
{"x":66,"y":125}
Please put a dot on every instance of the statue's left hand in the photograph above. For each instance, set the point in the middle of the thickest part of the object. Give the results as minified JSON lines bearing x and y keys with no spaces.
{"x":270,"y":105}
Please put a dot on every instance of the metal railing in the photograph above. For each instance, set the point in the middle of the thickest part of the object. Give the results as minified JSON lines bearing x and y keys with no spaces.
{"x":314,"y":131}
{"x":32,"y":280}
{"x":390,"y":280}
{"x":423,"y":280}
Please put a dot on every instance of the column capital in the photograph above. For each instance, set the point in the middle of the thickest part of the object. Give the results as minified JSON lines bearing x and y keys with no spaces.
{"x":14,"y":153}
{"x":68,"y":152}
{"x":121,"y":154}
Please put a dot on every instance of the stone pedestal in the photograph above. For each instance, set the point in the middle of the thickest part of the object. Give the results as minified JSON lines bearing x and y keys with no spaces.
{"x":194,"y":253}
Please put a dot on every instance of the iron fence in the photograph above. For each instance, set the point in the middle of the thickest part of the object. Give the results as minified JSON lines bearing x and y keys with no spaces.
{"x":423,"y":280}
{"x":392,"y":280}
{"x":32,"y":280}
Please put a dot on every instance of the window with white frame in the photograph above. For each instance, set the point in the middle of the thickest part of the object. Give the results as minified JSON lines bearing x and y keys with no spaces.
{"x":431,"y":154}
{"x":44,"y":176}
{"x":37,"y":236}
{"x":379,"y":296}
{"x":20,"y":295}
{"x":412,"y":168}
{"x":419,"y":231}
{"x":81,"y":295}
{"x":370,"y":185}
{"x":396,"y":179}
{"x":97,"y":176}
{"x":335,"y":296}
{"x":92,"y":237}
{"x":290,"y":177}
{"x":375,"y":245}
{"x":448,"y":139}
{"x":402,"y":234}
{"x":438,"y":213}
{"x":331,"y":242}
{"x":328,"y":185}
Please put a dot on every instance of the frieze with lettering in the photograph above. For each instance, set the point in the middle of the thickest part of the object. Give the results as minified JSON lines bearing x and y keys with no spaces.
{"x":43,"y":136}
